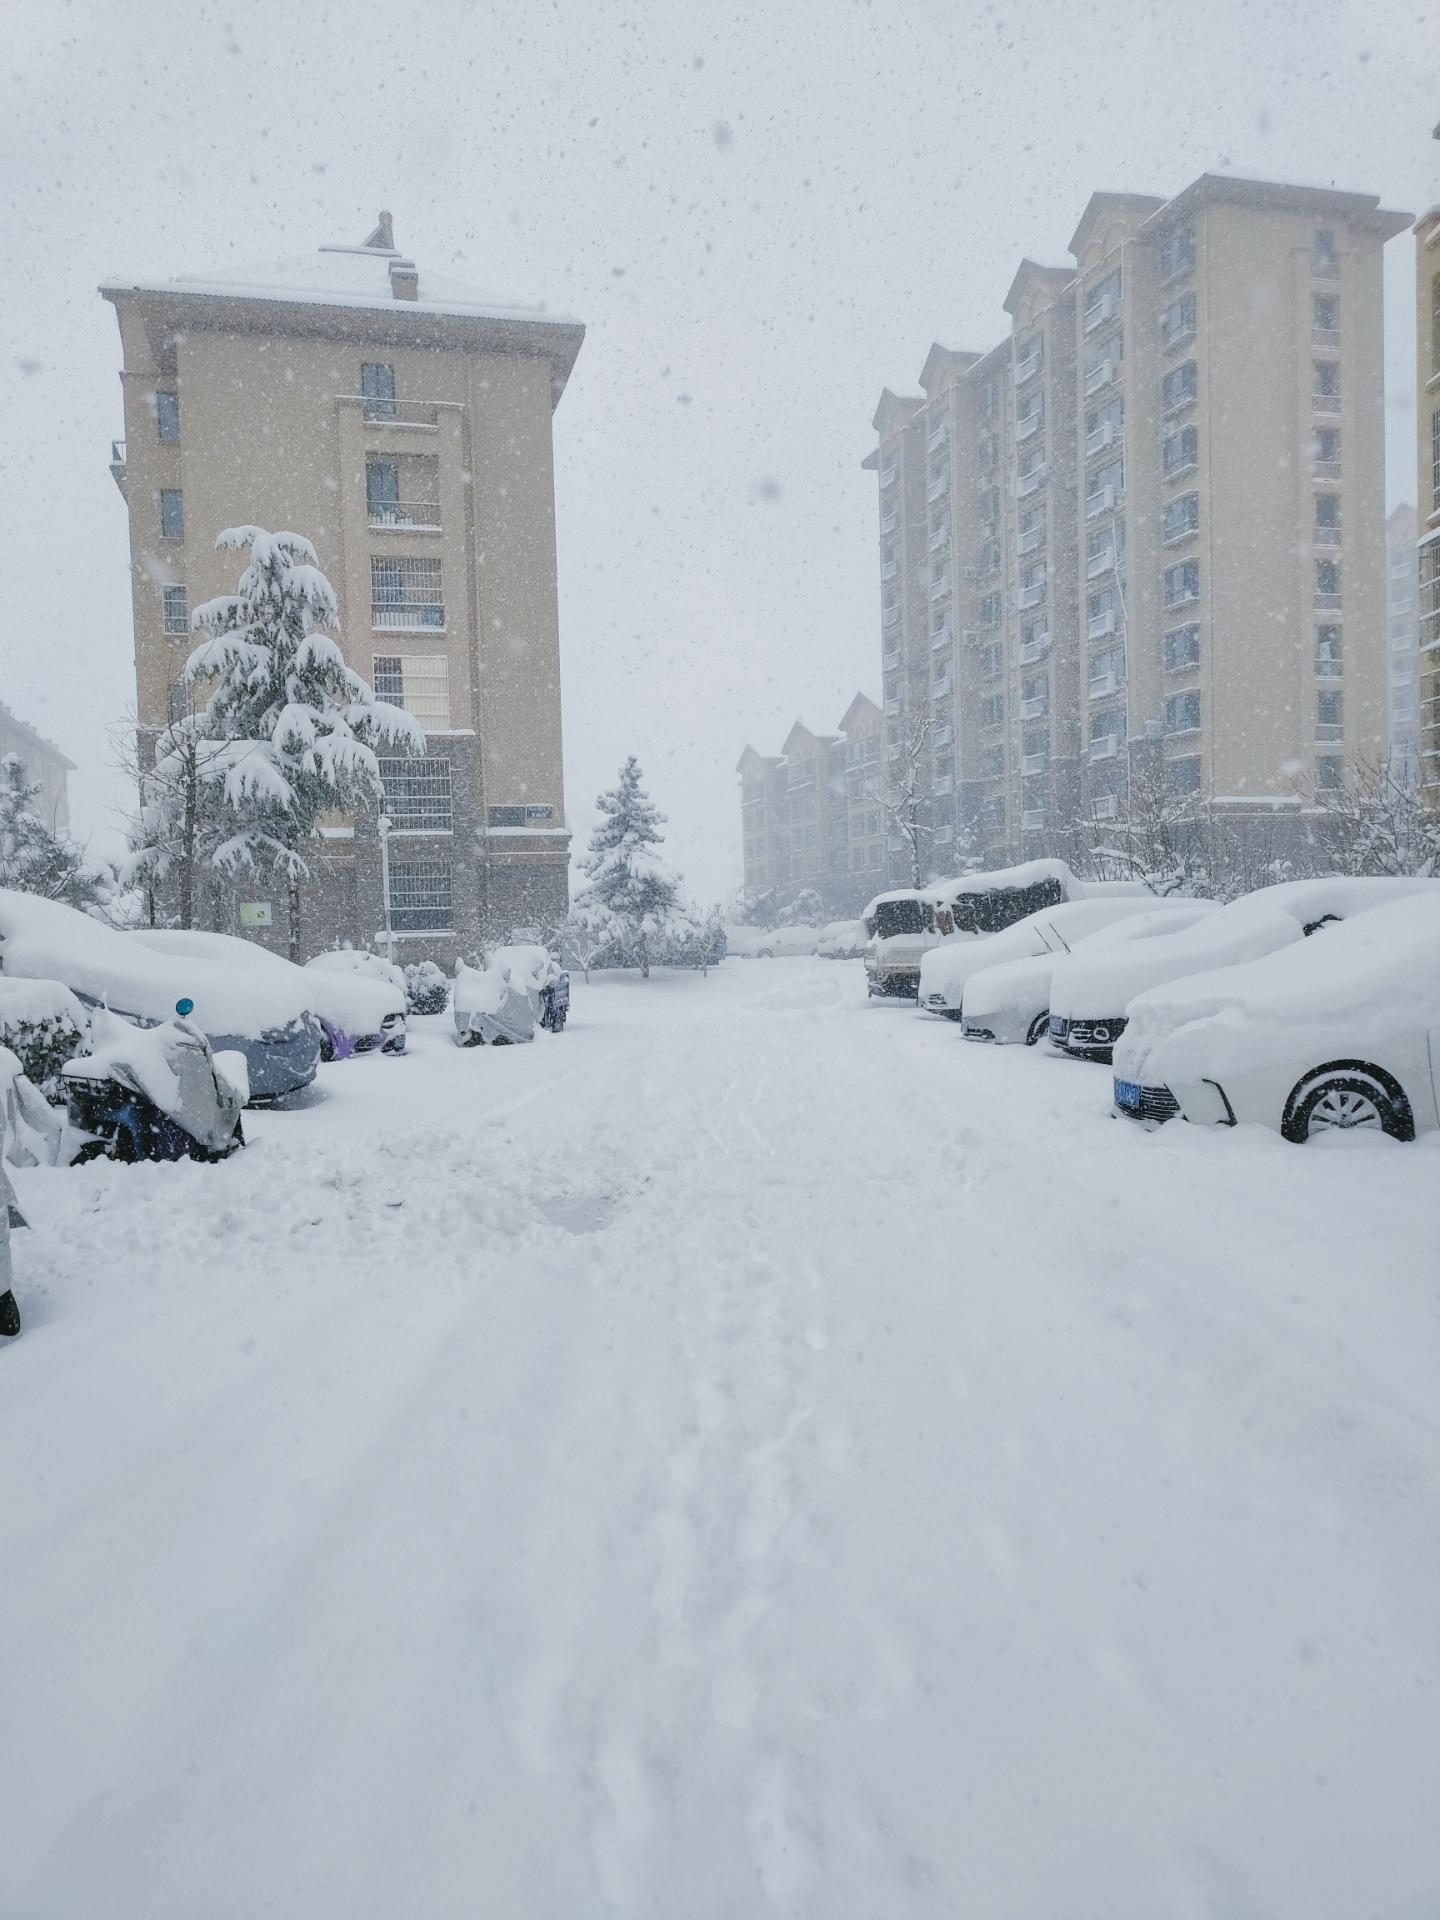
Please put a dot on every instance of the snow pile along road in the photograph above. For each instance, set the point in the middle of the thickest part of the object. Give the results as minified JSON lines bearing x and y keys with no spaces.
{"x":753,"y":1453}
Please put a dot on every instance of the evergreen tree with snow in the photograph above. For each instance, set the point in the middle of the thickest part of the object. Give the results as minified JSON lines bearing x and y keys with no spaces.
{"x":180,"y":824}
{"x":297,"y":727}
{"x":32,"y":858}
{"x":631,"y":903}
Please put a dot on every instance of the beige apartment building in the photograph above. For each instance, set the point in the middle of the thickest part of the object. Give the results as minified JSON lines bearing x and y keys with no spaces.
{"x":403,"y":425}
{"x":1427,"y":354}
{"x":812,"y":815}
{"x":1151,"y":518}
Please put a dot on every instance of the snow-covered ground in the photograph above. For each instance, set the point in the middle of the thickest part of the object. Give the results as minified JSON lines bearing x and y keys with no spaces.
{"x":754,"y":1453}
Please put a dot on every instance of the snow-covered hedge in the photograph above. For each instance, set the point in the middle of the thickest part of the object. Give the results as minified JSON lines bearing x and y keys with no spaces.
{"x":45,"y":1025}
{"x":426,"y":988}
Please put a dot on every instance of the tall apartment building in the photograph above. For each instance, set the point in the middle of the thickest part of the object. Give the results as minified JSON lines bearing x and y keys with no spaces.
{"x":1154,"y":513}
{"x":1427,"y":354}
{"x":403,"y":424}
{"x":811,"y":815}
{"x":1402,"y":580}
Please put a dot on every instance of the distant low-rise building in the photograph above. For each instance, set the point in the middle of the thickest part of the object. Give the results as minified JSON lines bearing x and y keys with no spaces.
{"x":44,"y":762}
{"x":813,"y":816}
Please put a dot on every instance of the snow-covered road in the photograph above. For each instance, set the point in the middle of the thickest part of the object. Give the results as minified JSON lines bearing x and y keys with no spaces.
{"x":752,"y":1454}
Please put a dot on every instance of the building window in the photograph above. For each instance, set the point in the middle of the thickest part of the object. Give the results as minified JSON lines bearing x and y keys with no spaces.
{"x":1032,"y":585}
{"x":989,"y":400}
{"x":1103,"y":425}
{"x":1032,"y":531}
{"x":420,"y":896}
{"x":1180,"y":451}
{"x":1327,"y":510}
{"x":992,"y":814}
{"x":1435,"y":458}
{"x":1184,"y":775}
{"x":1179,"y":387}
{"x":1105,"y":487}
{"x":182,"y":701}
{"x":989,"y":558}
{"x":1182,"y":583}
{"x":1031,"y":417}
{"x":1326,"y":313}
{"x":1035,"y":633}
{"x":1108,"y":726}
{"x":1105,"y":546}
{"x":990,"y":610}
{"x":1107,"y":672}
{"x":417,"y":795}
{"x":1327,"y":577}
{"x":167,"y":415}
{"x":1105,"y":612}
{"x":988,"y":506}
{"x":1329,"y":710}
{"x":1182,"y":712}
{"x":1036,"y":688}
{"x":531,"y":816}
{"x":172,"y":513}
{"x":1324,"y":261}
{"x":992,"y":661}
{"x":1177,"y":254}
{"x":1327,"y":446}
{"x":1329,"y":771}
{"x":989,"y":450}
{"x":418,"y":682}
{"x":992,"y":710}
{"x":177,"y":610}
{"x":1180,"y":517}
{"x":1102,"y":300}
{"x":406,"y":593}
{"x":1327,"y":379}
{"x":377,"y":384}
{"x":1177,"y":323}
{"x":1182,"y":648}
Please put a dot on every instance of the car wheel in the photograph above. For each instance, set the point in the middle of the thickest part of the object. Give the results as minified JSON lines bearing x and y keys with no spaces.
{"x":1039,"y":1027}
{"x":1340,"y":1102}
{"x":765,"y":954}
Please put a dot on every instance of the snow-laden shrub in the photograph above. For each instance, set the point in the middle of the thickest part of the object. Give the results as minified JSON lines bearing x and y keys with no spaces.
{"x":44,"y":1025}
{"x":426,"y":988}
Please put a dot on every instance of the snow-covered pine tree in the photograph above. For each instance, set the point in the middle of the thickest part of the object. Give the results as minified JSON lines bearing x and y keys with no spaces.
{"x":32,"y":858}
{"x":180,"y":823}
{"x":631,"y":900}
{"x":296,"y":726}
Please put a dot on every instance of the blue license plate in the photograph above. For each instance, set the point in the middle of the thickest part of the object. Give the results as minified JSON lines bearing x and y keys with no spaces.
{"x":1127,"y":1094}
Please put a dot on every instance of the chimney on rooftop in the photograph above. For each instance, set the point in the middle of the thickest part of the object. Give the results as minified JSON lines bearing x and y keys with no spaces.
{"x":404,"y":280}
{"x":384,"y":235}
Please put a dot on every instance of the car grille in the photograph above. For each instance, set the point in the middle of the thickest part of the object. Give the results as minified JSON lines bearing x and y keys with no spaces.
{"x":972,"y":1032}
{"x":1146,"y":1103}
{"x":1086,"y":1036}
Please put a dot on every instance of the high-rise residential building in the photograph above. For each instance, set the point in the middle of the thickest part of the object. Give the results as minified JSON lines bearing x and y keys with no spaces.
{"x":45,"y":766}
{"x":1401,"y":575}
{"x":1154,"y":513}
{"x":812,"y":816}
{"x":401,"y":423}
{"x":1427,"y":357}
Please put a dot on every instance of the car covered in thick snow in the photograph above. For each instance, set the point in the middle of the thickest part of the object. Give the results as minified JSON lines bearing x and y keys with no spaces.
{"x":1090,"y":992}
{"x":358,"y":1010}
{"x":907,"y":923}
{"x":842,"y":940}
{"x":1009,"y":1004}
{"x":265,"y":1016}
{"x":771,"y":943}
{"x":945,"y":970}
{"x":1320,"y":1036}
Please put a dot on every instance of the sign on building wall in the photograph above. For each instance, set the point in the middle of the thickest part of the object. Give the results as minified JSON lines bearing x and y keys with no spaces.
{"x":255,"y":913}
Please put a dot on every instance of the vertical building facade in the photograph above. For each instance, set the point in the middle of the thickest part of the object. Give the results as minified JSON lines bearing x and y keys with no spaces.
{"x":1427,"y":481}
{"x":403,"y":425}
{"x":1402,"y":582}
{"x":1158,"y":517}
{"x":812,"y":815}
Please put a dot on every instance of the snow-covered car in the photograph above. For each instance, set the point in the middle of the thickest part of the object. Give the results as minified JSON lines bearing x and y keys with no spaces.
{"x":240,"y":1009}
{"x":945,"y":970}
{"x":1009,"y":1004}
{"x":1320,"y":1036}
{"x":773,"y":943}
{"x":842,"y":940}
{"x":358,"y":1010}
{"x":905,"y":924}
{"x":499,"y":1004}
{"x":1090,"y":992}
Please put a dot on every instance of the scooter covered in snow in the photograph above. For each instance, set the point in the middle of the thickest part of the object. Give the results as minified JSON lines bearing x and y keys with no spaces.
{"x":155,"y":1093}
{"x":499,"y":1004}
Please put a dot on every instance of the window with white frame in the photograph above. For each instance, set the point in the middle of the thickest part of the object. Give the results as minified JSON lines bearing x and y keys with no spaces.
{"x":1182,"y":647}
{"x":1179,"y":452}
{"x":1177,"y":254}
{"x":1182,"y":583}
{"x":406,"y":592}
{"x":1177,"y":322}
{"x":1179,"y":387}
{"x":418,"y":682}
{"x":177,"y":610}
{"x":1180,"y":517}
{"x":167,"y":416}
{"x":1182,"y":712}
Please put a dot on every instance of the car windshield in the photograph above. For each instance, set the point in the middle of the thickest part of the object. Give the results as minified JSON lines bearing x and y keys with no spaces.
{"x":899,"y":916}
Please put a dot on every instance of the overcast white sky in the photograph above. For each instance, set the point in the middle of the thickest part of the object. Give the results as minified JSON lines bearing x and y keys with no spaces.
{"x":764,"y":214}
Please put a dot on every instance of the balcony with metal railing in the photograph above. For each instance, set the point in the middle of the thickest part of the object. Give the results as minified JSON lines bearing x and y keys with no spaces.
{"x":1101,"y":502}
{"x":1034,"y":765}
{"x":1104,"y":686}
{"x":381,"y":411}
{"x":1030,"y":597}
{"x":939,"y":486}
{"x":1107,"y":747}
{"x":890,"y":520}
{"x":1032,"y":819}
{"x":1029,"y":424}
{"x":416,"y":516}
{"x":1101,"y":376}
{"x":1103,"y":310}
{"x":1098,"y":563}
{"x":1028,"y":483}
{"x":937,"y":436}
{"x":889,"y":569}
{"x":887,"y":475}
{"x":1105,"y":435}
{"x":1101,"y":624}
{"x":939,"y":538}
{"x":1036,"y":708}
{"x":1029,"y":651}
{"x":1027,"y":368}
{"x":1029,"y":541}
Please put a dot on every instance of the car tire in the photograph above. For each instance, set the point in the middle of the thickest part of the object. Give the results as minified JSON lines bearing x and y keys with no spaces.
{"x":952,"y":1013}
{"x":1039,"y":1027}
{"x":92,"y":1150}
{"x":1345,"y":1099}
{"x":764,"y":954}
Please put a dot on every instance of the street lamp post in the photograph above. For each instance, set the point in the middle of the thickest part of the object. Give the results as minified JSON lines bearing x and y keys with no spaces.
{"x":385,"y":885}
